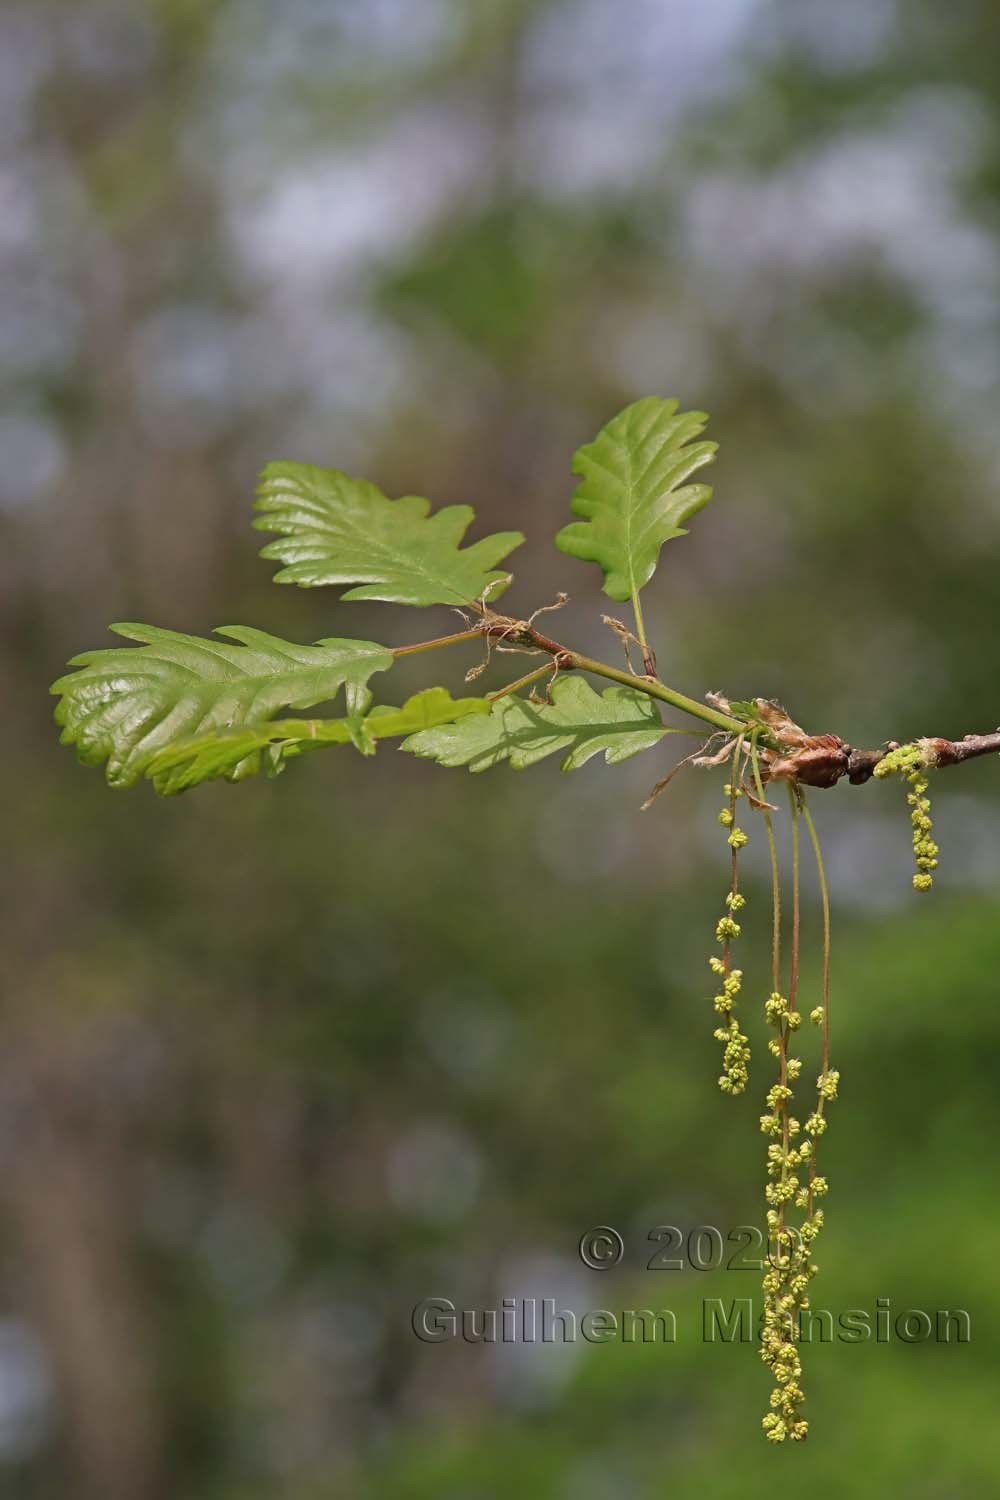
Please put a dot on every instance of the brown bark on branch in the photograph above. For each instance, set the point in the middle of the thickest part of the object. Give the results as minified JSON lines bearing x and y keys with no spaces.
{"x":861,"y":763}
{"x":825,"y":759}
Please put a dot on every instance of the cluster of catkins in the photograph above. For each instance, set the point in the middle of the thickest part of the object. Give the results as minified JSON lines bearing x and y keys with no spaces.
{"x":794,"y":1184}
{"x":790,"y":1265}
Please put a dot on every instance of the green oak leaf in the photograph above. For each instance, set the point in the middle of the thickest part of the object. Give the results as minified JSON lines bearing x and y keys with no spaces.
{"x":334,"y":529}
{"x":237,"y":753}
{"x":619,"y":721}
{"x":632,"y":491}
{"x":126,"y":705}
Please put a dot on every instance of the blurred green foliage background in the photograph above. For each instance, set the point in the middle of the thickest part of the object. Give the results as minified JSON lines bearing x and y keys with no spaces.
{"x":278,"y":1061}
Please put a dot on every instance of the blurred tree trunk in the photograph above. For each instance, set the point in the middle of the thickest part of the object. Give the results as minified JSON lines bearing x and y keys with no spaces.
{"x":66,"y":1191}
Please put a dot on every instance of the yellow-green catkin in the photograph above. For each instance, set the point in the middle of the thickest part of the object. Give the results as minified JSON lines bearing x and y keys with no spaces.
{"x":794,"y":1221}
{"x":908,"y":761}
{"x":790,"y":1267}
{"x":735,"y":1048}
{"x":786,"y":1284}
